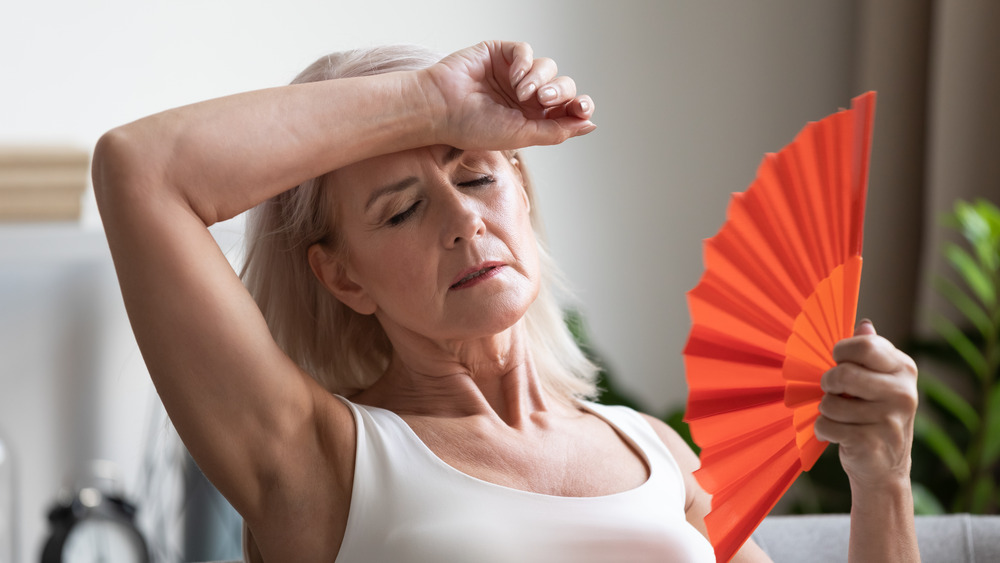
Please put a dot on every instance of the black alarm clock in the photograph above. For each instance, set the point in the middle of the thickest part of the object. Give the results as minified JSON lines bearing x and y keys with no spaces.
{"x":94,"y":523}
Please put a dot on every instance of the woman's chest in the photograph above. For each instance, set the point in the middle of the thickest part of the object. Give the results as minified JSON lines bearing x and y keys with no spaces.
{"x":587,"y":458}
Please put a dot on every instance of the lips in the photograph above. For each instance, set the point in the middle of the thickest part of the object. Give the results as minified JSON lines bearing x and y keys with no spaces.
{"x":476,"y":274}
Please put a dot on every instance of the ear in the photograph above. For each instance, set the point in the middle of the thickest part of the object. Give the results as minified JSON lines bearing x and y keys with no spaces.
{"x":515,"y":165}
{"x":333,"y":274}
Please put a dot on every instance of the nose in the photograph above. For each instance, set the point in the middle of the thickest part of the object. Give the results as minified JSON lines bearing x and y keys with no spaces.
{"x":461,"y":218}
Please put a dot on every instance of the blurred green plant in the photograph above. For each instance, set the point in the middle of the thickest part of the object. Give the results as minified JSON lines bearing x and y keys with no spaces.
{"x":962,"y":430}
{"x":611,"y":393}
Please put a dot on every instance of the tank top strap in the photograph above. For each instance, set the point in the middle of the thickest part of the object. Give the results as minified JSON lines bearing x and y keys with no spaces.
{"x":662,"y":465}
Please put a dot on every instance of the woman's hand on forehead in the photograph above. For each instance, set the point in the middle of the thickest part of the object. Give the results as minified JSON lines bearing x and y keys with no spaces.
{"x":497,"y":95}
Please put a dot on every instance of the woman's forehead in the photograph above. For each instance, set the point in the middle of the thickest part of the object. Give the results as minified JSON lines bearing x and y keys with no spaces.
{"x":384,"y":171}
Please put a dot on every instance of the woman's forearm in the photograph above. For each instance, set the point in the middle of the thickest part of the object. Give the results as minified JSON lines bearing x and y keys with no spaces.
{"x":226,"y":155}
{"x":882,"y":526}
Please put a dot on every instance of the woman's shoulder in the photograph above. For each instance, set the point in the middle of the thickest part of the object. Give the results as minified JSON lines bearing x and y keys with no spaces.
{"x":671,"y":439}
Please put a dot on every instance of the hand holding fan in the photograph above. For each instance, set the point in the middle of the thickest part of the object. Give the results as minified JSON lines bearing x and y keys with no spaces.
{"x":780,"y":288}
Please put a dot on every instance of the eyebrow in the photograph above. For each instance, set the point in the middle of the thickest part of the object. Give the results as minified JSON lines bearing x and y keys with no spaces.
{"x":452,"y":154}
{"x":390,"y":189}
{"x":405,"y":183}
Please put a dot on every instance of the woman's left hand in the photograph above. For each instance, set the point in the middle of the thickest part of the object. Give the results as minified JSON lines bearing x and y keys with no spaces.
{"x":498,"y":95}
{"x":869,"y":408}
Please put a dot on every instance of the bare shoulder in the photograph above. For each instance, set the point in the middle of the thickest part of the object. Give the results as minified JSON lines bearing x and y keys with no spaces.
{"x":683,"y":454}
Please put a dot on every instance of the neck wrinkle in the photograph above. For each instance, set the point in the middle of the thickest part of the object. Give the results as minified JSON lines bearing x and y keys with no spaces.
{"x":501,"y":384}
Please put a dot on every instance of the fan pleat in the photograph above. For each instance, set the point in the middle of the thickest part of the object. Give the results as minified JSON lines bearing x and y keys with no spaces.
{"x":730,"y":525}
{"x":827,"y":191}
{"x":776,"y":225}
{"x":716,"y":430}
{"x":860,"y":151}
{"x":825,"y":317}
{"x":834,"y":185}
{"x":745,"y":251}
{"x":717,"y":300}
{"x":803,"y":214}
{"x":779,"y":290}
{"x":732,"y":462}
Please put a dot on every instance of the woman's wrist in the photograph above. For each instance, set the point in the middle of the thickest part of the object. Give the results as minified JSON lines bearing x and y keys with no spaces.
{"x":432,"y":105}
{"x":894,"y":480}
{"x":882,"y":524}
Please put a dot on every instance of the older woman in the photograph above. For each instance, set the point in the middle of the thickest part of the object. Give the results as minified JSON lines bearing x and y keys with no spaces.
{"x":397,"y":384}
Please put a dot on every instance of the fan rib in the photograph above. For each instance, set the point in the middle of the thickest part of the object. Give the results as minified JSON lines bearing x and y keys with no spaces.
{"x":759,"y":269}
{"x":785,"y":211}
{"x":806,"y":217}
{"x":779,"y":238}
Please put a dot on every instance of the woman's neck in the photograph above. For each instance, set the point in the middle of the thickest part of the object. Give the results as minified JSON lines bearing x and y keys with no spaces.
{"x":492,"y":376}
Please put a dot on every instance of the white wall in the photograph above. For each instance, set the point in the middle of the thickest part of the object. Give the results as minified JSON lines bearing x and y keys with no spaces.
{"x":689,"y":96}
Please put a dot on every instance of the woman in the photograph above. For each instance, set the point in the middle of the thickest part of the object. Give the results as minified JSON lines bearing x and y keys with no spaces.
{"x":407,"y":279}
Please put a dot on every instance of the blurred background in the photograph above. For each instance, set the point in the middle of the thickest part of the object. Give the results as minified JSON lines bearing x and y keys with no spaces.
{"x":689,"y":95}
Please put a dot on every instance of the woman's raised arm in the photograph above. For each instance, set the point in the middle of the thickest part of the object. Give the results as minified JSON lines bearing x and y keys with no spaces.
{"x":242,"y":407}
{"x":868,"y":409}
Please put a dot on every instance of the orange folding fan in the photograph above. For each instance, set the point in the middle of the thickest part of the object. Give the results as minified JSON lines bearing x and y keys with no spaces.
{"x":780,"y":288}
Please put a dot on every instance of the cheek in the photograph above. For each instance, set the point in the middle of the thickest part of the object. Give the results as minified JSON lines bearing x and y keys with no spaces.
{"x":516,"y":222}
{"x":387,"y":262}
{"x":395,"y":272}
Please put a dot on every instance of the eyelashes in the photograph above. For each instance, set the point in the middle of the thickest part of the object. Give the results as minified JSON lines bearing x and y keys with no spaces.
{"x":402,"y":216}
{"x":480,"y":181}
{"x":399,"y":218}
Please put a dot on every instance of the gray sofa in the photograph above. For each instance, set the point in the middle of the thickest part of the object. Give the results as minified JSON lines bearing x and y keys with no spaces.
{"x":822,"y":538}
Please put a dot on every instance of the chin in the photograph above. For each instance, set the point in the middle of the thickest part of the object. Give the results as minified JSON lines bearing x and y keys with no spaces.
{"x":495,"y":317}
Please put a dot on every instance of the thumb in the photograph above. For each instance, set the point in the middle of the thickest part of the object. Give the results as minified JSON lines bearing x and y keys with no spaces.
{"x":865,"y":327}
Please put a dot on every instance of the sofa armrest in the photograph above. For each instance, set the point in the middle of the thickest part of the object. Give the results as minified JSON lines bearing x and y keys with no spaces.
{"x":822,"y":538}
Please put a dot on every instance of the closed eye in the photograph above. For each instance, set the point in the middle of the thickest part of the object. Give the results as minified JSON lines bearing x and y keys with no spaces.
{"x":402,"y":216}
{"x":480,"y":181}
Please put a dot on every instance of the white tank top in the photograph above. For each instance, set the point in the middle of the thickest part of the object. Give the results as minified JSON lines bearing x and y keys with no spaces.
{"x":408,"y":506}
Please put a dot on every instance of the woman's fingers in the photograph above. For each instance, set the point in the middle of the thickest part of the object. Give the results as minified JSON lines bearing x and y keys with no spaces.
{"x":868,"y":349}
{"x":856,"y":410}
{"x":858,"y":381}
{"x":497,"y":95}
{"x":869,"y":406}
{"x":520,"y":57}
{"x":580,"y":107}
{"x":539,"y":76}
{"x":860,"y":400}
{"x":555,"y":131}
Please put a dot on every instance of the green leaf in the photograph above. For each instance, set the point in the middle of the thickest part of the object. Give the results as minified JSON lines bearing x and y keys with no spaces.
{"x":924,"y":501}
{"x":961,"y":300}
{"x":940,"y":443}
{"x":991,"y":214}
{"x":991,"y":449}
{"x":961,"y":343}
{"x":977,"y":280}
{"x":980,"y":224}
{"x":982,"y":495}
{"x":973,"y":226}
{"x":949,"y":400}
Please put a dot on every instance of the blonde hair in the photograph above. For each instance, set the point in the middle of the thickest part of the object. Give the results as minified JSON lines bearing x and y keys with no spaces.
{"x":343,"y":350}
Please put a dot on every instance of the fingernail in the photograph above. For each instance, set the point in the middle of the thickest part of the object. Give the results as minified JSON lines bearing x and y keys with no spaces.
{"x":866,"y":321}
{"x":584,"y":106}
{"x":518,"y":76}
{"x":525,"y":91}
{"x":547,"y":93}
